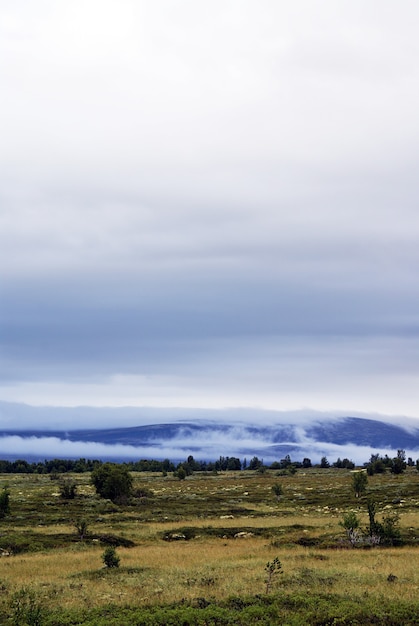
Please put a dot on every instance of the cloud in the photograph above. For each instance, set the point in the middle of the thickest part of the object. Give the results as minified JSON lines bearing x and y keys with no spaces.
{"x":175,"y":433}
{"x":212,"y":205}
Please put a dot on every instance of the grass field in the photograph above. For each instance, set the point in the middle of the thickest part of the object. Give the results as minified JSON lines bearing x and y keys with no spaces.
{"x":195,"y":552}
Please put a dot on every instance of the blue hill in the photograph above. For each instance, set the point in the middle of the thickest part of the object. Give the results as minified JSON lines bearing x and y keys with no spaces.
{"x":207,"y":439}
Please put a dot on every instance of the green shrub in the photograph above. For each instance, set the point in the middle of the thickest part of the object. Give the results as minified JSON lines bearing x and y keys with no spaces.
{"x":181,"y":473}
{"x":398,"y":464}
{"x":112,"y":481}
{"x":350,"y":523}
{"x":26,"y":608}
{"x":386,"y":532}
{"x":68,"y":488}
{"x":359,"y":482}
{"x":143,"y":493}
{"x":4,"y":502}
{"x":110,"y":558}
{"x":390,"y":533}
{"x":277,"y":490}
{"x":272,"y":569}
{"x":81,"y":527}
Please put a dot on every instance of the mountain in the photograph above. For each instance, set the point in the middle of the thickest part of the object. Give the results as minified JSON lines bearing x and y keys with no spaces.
{"x":345,"y":437}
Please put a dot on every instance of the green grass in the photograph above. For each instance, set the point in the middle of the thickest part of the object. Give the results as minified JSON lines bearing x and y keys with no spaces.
{"x":299,"y":609}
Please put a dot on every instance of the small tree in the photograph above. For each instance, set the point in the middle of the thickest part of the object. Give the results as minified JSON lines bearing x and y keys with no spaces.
{"x":350,"y":523}
{"x":359,"y":482}
{"x":324,"y":462}
{"x":181,"y":472}
{"x":82,"y":528}
{"x":112,"y":481}
{"x":4,"y":502}
{"x":110,"y":558}
{"x":398,"y":464}
{"x":68,"y":488}
{"x":278,"y":491}
{"x":376,"y":465}
{"x":375,"y":529}
{"x":387,"y":532}
{"x":255,"y":463}
{"x":272,"y":569}
{"x":390,"y":529}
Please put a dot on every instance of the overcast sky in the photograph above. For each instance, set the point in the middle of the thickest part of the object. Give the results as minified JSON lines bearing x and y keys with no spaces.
{"x":210,"y":204}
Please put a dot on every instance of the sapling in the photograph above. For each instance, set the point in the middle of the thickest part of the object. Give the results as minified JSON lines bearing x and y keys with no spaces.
{"x":390,"y":531}
{"x":68,"y":488}
{"x":272,"y":569}
{"x":181,"y":472}
{"x":81,"y":528}
{"x":277,"y":490}
{"x":110,"y":558}
{"x":350,"y":523}
{"x":359,"y":482}
{"x":4,"y":502}
{"x":375,"y":528}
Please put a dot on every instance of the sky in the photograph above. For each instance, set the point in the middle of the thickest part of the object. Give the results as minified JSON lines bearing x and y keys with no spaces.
{"x":210,"y":205}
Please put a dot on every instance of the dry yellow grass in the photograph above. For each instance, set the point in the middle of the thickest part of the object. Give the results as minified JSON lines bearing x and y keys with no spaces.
{"x":167,"y":572}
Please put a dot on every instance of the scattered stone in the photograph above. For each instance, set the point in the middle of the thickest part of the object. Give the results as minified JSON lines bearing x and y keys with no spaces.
{"x":177,"y":537}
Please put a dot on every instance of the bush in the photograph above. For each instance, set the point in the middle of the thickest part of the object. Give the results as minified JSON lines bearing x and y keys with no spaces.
{"x":181,"y":473}
{"x":374,"y":529}
{"x":398,"y":464}
{"x":277,"y":490}
{"x":272,"y":569}
{"x":68,"y":488}
{"x":82,"y":528}
{"x":386,"y":532}
{"x":255,"y":463}
{"x":390,"y":532}
{"x":110,"y":558}
{"x":26,"y":608}
{"x":376,"y":467}
{"x":143,"y":493}
{"x":359,"y":482}
{"x":112,"y":481}
{"x":4,"y":502}
{"x":350,"y":523}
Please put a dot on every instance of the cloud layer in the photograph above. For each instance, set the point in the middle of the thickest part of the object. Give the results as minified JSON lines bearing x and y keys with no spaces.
{"x":178,"y":450}
{"x":134,"y":433}
{"x":210,"y":440}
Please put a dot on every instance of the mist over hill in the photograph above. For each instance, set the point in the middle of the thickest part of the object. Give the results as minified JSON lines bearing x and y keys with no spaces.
{"x":34,"y":433}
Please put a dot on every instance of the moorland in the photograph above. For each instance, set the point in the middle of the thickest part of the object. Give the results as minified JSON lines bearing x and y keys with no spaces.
{"x":235,"y":547}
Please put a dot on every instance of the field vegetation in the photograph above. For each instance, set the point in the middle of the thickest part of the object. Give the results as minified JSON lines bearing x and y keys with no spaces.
{"x":234,"y":547}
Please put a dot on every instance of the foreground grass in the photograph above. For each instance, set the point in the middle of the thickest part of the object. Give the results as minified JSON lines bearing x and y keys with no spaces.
{"x":296,"y":610}
{"x":210,"y":575}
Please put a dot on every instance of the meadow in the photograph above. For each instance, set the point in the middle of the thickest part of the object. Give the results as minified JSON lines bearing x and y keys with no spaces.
{"x":197,"y":551}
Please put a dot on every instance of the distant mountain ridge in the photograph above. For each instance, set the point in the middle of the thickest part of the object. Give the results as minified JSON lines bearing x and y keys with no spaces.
{"x":208,"y":439}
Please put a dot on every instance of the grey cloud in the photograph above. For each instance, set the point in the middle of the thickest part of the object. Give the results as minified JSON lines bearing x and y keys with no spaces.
{"x":183,"y":187}
{"x":166,"y":96}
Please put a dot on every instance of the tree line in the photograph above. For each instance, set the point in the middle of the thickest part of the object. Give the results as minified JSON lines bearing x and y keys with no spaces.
{"x":376,"y":464}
